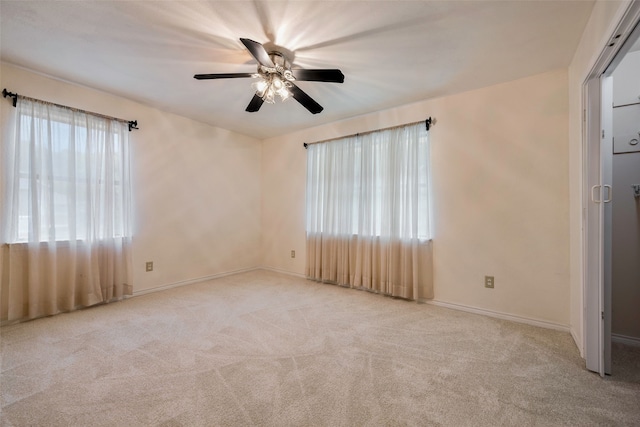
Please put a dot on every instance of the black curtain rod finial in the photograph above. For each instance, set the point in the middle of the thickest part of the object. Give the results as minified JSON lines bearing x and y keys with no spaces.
{"x":428,"y":122}
{"x":305,"y":145}
{"x":14,"y":96}
{"x":133,"y":124}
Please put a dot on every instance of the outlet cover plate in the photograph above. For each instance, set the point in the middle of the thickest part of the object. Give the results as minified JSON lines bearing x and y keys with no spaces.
{"x":489,"y":281}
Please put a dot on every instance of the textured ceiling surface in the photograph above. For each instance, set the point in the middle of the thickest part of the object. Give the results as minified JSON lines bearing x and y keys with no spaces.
{"x":391,"y":52}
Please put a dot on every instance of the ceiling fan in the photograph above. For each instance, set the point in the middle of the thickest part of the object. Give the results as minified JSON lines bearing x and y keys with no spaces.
{"x":276,"y":78}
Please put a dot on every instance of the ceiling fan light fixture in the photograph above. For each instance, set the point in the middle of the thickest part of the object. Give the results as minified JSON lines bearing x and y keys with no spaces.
{"x":260,"y":85}
{"x":284,"y":93}
{"x":269,"y":85}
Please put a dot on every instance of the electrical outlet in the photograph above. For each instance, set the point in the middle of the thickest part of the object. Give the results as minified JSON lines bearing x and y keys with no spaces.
{"x":149,"y":265}
{"x":489,"y":281}
{"x":293,"y":254}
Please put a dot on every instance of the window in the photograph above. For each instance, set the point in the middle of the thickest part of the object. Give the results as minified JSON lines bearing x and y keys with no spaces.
{"x":72,"y":172}
{"x":376,"y":184}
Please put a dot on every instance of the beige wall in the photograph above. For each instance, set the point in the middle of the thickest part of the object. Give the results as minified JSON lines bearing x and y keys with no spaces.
{"x":196,"y":187}
{"x":500,"y":180}
{"x":602,"y":22}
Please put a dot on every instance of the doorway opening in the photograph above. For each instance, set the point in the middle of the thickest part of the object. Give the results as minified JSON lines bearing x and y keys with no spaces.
{"x":611,"y":167}
{"x":624,"y":212}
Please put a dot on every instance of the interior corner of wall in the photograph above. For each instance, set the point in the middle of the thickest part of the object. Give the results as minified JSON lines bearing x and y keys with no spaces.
{"x":577,"y":339}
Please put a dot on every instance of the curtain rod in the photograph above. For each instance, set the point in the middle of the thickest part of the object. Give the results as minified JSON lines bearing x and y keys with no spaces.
{"x":428,"y":123}
{"x":133,"y":124}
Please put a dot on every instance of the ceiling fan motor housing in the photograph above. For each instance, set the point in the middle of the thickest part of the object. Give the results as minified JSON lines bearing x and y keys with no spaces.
{"x":282,"y":66}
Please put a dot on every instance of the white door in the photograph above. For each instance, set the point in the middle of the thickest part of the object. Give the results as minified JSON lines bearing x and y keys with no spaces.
{"x":598,"y":177}
{"x":606,"y":166}
{"x":594,"y":228}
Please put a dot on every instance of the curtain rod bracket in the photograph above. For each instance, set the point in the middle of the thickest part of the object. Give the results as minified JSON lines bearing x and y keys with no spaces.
{"x":305,"y":145}
{"x":12,"y":95}
{"x":133,"y":124}
{"x":428,"y":123}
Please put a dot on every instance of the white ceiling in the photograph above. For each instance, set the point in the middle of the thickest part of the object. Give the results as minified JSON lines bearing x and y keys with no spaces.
{"x":391,"y":52}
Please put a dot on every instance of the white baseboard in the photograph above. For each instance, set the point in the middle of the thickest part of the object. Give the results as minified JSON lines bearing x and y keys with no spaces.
{"x":499,"y":315}
{"x":623,"y":339}
{"x":192,"y":281}
{"x":211,"y":277}
{"x":287,"y":272}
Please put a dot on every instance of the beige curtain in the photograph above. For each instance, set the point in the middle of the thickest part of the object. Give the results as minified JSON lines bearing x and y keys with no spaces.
{"x":397,"y":268}
{"x":368,"y":212}
{"x":67,"y":229}
{"x":43,"y":279}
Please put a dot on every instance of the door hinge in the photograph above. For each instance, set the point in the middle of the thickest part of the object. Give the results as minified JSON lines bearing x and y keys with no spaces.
{"x":602,"y":314}
{"x":584,"y":115}
{"x":602,"y":133}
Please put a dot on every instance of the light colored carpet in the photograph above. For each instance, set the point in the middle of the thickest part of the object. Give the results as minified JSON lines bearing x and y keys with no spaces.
{"x":262,"y":348}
